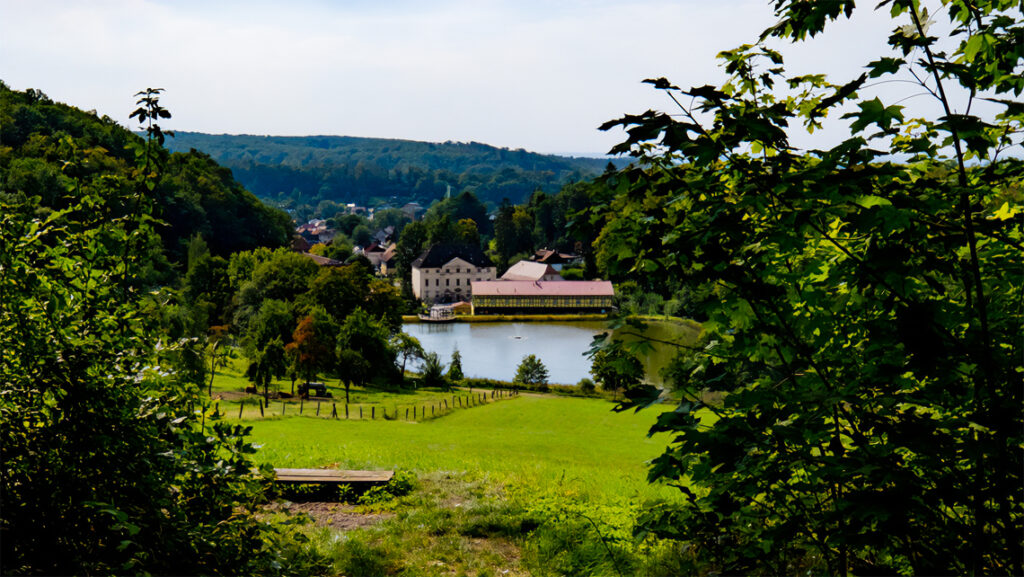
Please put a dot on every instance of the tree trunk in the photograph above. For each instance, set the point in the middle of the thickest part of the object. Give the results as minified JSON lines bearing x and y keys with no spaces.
{"x":213,"y":368}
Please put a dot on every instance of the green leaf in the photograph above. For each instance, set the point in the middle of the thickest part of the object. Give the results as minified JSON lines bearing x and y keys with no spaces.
{"x":868,"y":201}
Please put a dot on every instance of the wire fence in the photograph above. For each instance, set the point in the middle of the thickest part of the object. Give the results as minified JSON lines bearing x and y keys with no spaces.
{"x":260,"y":408}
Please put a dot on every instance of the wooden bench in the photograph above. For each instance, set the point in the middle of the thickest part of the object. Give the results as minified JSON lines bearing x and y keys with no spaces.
{"x":359,"y":479}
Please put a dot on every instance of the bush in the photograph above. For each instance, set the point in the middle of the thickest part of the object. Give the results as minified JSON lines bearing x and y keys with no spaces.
{"x":586,"y":385}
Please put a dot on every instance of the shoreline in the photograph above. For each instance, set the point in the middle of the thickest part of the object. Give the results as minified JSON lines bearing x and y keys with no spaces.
{"x":512,"y":318}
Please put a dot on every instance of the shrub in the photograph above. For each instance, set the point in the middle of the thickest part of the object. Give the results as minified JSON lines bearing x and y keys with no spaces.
{"x":586,"y":385}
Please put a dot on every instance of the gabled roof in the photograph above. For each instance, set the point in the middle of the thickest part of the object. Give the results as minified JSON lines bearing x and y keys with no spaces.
{"x":528,"y":270}
{"x":441,"y":254}
{"x":586,"y":288}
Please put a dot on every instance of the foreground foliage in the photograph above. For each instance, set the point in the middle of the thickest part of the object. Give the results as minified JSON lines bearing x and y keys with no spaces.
{"x":107,"y":468}
{"x":862,"y":316}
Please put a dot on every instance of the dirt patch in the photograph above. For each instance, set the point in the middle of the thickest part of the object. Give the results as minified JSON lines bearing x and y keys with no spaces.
{"x":231,"y":396}
{"x":337,"y":516}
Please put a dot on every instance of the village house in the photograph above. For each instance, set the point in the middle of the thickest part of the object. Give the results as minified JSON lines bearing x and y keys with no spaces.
{"x":554,"y":258}
{"x":387,"y":259}
{"x":532,"y":271}
{"x":444,"y":272}
{"x":375,"y":254}
{"x":538,"y":297}
{"x":413,"y":210}
{"x":316,"y":231}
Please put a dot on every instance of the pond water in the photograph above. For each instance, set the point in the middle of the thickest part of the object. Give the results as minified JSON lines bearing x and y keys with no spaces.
{"x":494,"y":350}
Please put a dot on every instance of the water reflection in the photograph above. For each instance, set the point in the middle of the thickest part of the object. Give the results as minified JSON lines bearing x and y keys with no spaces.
{"x":494,"y":350}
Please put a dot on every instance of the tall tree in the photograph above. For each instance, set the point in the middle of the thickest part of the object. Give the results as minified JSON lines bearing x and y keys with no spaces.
{"x":313,"y":344}
{"x":531,"y":371}
{"x":455,"y":367}
{"x":861,"y":315}
{"x":615,"y":368}
{"x":407,"y":347}
{"x":369,"y":339}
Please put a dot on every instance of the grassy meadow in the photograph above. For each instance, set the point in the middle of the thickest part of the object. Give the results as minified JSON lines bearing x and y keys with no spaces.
{"x":528,"y":485}
{"x":529,"y":441}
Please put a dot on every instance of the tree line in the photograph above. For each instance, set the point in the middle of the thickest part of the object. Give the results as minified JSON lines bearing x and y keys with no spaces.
{"x":305,"y":170}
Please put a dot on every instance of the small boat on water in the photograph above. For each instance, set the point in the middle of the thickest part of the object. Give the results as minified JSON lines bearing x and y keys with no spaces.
{"x":439,"y":314}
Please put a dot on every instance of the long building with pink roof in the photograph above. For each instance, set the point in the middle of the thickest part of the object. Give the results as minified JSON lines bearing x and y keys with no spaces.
{"x":542,"y":297}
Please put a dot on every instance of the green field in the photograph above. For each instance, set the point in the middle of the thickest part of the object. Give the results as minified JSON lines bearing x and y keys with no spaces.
{"x":530,"y":484}
{"x":529,"y":440}
{"x":535,"y":484}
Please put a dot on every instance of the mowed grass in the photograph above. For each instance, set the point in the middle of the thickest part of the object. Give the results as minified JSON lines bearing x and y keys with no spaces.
{"x":535,"y":484}
{"x":529,"y":441}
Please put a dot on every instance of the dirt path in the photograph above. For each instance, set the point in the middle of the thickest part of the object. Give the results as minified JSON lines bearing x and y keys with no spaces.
{"x":337,"y":516}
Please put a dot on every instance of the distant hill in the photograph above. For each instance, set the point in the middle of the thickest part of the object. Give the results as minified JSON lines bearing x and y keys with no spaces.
{"x":194,"y":194}
{"x":296,"y":170}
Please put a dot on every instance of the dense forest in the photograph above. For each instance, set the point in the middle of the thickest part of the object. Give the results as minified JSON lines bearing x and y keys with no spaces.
{"x":50,"y":149}
{"x":305,"y":170}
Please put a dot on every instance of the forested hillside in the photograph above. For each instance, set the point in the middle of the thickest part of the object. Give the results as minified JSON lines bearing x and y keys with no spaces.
{"x":371,"y":171}
{"x":41,"y":140}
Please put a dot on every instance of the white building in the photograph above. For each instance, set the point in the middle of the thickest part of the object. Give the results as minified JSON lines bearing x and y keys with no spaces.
{"x":444,"y":272}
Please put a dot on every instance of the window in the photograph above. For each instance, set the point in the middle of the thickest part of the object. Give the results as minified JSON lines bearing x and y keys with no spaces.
{"x":447,"y":282}
{"x":458,"y":282}
{"x":437,"y":282}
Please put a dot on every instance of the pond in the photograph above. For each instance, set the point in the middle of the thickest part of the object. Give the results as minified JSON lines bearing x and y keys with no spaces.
{"x":494,"y":350}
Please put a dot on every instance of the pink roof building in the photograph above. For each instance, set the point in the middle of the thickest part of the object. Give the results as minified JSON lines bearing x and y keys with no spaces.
{"x":540,"y":297}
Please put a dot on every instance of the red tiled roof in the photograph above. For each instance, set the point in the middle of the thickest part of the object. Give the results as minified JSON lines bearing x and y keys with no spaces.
{"x":589,"y":288}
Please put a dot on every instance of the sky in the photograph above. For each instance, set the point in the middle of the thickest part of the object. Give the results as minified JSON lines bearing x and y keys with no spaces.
{"x":532,"y":74}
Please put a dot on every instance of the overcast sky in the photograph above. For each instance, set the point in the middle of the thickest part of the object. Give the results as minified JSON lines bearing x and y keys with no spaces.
{"x":539,"y":75}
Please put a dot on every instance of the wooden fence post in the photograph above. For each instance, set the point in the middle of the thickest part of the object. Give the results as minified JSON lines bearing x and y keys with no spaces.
{"x":407,"y":414}
{"x":282,"y":408}
{"x":318,"y":408}
{"x":261,"y":408}
{"x":300,"y":406}
{"x":241,"y":405}
{"x":334,"y":410}
{"x":431,"y":410}
{"x":360,"y":412}
{"x":373,"y":411}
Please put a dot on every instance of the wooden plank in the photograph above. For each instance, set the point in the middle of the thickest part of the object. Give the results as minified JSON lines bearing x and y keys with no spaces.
{"x":331,"y":476}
